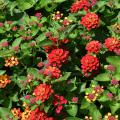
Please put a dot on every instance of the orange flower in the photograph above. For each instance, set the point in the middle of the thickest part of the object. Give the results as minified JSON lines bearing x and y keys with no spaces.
{"x":43,"y":92}
{"x":4,"y":80}
{"x":16,"y":112}
{"x":25,"y":114}
{"x":11,"y":61}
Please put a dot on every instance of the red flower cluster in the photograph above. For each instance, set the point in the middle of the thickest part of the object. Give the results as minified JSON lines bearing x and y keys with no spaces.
{"x":93,"y":47}
{"x":54,"y":72}
{"x":43,"y":92}
{"x":114,"y":82}
{"x":38,"y":15}
{"x":53,"y":39}
{"x":58,"y":56}
{"x":90,"y":20}
{"x":38,"y":114}
{"x":78,"y":5}
{"x":65,"y":41}
{"x":112,"y":44}
{"x":49,"y":48}
{"x":90,"y":64}
{"x":58,"y":102}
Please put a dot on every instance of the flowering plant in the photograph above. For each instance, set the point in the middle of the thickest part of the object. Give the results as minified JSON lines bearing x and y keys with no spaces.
{"x":59,"y":63}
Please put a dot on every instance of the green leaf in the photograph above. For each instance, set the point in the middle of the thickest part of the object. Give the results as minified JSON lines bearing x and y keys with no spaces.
{"x":26,"y":4}
{"x":2,"y":72}
{"x":72,"y":86}
{"x":102,"y":77}
{"x":73,"y":118}
{"x":114,"y":107}
{"x":45,"y":43}
{"x":14,"y":97}
{"x":35,"y":73}
{"x":103,"y":97}
{"x":4,"y":112}
{"x":82,"y":87}
{"x":72,"y":109}
{"x":33,"y":107}
{"x":63,"y":78}
{"x":94,"y":112}
{"x":114,"y":60}
{"x":84,"y":104}
{"x":46,"y":108}
{"x":59,"y":1}
{"x":113,"y":89}
{"x":16,"y":42}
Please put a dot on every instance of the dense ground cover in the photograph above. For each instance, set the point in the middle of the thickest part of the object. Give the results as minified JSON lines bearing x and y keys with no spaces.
{"x":59,"y":59}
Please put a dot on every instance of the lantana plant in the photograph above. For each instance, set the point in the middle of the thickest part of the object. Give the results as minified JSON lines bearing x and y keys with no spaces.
{"x":60,"y":60}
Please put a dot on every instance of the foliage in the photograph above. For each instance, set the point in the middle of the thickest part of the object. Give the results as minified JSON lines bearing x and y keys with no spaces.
{"x":60,"y":59}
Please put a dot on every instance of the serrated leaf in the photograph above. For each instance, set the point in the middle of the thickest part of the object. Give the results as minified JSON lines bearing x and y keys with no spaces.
{"x":35,"y":73}
{"x":16,"y":42}
{"x":25,"y":4}
{"x":114,"y":60}
{"x":114,"y":107}
{"x":4,"y":112}
{"x":73,"y":118}
{"x":94,"y":112}
{"x":102,"y":77}
{"x":84,"y":104}
{"x":33,"y":107}
{"x":72,"y":109}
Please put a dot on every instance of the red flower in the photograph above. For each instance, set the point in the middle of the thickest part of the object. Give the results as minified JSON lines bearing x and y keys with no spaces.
{"x":75,"y":99}
{"x":40,"y":64}
{"x":90,"y":20}
{"x":110,"y":95}
{"x":14,"y":28}
{"x":43,"y":92}
{"x":90,"y":64}
{"x":38,"y":114}
{"x":65,"y":41}
{"x":40,"y":25}
{"x":112,"y":43}
{"x":54,"y":72}
{"x":111,"y":68}
{"x":53,"y":39}
{"x":82,"y":4}
{"x":58,"y":56}
{"x":114,"y":82}
{"x":5,"y":44}
{"x":117,"y":51}
{"x":38,"y":15}
{"x":1,"y":24}
{"x":93,"y":47}
{"x":58,"y":102}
